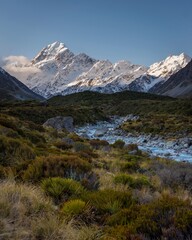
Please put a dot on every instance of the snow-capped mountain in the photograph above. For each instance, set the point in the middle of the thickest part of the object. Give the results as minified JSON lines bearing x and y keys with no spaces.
{"x":56,"y":70}
{"x":178,"y":85}
{"x":160,"y":72}
{"x":106,"y":77}
{"x":57,"y":67}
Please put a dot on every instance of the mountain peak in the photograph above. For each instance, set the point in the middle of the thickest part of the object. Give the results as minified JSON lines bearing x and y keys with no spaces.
{"x":56,"y":46}
{"x":169,"y":66}
{"x":185,"y":56}
{"x":178,"y":58}
{"x":50,"y":51}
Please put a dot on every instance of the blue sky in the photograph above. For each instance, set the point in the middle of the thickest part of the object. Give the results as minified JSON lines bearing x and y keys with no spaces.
{"x":142,"y":31}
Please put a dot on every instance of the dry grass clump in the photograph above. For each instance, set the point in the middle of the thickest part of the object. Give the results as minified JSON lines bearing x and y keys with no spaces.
{"x":25,"y":213}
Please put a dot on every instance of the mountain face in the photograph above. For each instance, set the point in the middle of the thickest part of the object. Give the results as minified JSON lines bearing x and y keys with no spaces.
{"x":106,"y":77}
{"x":178,"y":85}
{"x":56,"y":70}
{"x":56,"y":67}
{"x":159,"y":73}
{"x":13,"y":89}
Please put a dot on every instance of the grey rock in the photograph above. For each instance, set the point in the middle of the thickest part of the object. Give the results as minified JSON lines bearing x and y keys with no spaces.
{"x":100,"y":132}
{"x":60,"y":123}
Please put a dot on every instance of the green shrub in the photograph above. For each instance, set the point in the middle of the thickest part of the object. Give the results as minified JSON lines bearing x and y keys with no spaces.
{"x":79,"y":146}
{"x":118,"y":144}
{"x":108,"y":201}
{"x":132,"y":147}
{"x":34,"y":136}
{"x":75,"y":137}
{"x":14,"y":151}
{"x":61,"y":189}
{"x":97,"y":143}
{"x":8,"y":122}
{"x":120,"y":232}
{"x":132,"y":166}
{"x":65,"y":166}
{"x":156,"y":219}
{"x":133,"y":182}
{"x":73,"y":208}
{"x":124,"y":216}
{"x":62,"y":145}
{"x":123,"y":178}
{"x":88,"y":155}
{"x":183,"y":219}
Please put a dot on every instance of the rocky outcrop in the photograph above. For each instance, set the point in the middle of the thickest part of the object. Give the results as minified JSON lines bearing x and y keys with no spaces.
{"x":60,"y":123}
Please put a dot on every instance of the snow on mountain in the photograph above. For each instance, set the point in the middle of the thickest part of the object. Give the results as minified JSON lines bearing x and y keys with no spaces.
{"x":178,"y":85}
{"x":106,"y":77}
{"x":58,"y":67}
{"x":56,"y":70}
{"x":160,"y":72}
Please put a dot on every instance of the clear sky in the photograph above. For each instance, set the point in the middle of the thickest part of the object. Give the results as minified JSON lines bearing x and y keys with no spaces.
{"x":142,"y":31}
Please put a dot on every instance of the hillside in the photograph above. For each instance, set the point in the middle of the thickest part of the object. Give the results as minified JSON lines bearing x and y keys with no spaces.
{"x":13,"y":89}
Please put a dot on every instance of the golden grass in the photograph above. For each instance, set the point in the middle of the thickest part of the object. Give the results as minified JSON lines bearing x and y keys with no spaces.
{"x":26,"y":213}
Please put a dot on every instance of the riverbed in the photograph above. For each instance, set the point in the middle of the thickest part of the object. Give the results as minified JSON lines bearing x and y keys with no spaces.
{"x":178,"y":150}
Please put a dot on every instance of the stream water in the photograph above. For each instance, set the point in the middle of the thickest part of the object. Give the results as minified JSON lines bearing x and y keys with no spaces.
{"x":155,"y":146}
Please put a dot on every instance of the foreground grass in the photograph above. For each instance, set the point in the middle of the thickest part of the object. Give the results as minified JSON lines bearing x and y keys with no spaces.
{"x":57,"y":185}
{"x":26,"y":213}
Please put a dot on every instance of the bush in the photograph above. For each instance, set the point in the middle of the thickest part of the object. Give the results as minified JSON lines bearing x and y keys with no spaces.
{"x":173,"y":174}
{"x":108,"y":201}
{"x":14,"y":152}
{"x":118,"y":144}
{"x":79,"y":146}
{"x":9,"y":122}
{"x":156,"y":219}
{"x":73,"y":208}
{"x":97,"y":144}
{"x":75,"y":137}
{"x":61,"y":189}
{"x":124,"y":216}
{"x":133,"y":182}
{"x":65,"y":166}
{"x":121,"y":233}
{"x":62,"y":145}
{"x":132,"y":166}
{"x":34,"y":136}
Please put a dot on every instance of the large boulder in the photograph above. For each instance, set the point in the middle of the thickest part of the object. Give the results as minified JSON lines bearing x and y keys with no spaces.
{"x":60,"y":123}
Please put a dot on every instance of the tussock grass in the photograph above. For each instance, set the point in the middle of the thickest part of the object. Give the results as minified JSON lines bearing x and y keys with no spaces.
{"x":26,"y":213}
